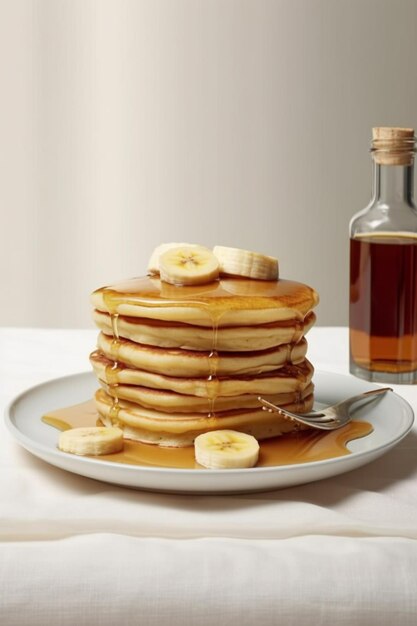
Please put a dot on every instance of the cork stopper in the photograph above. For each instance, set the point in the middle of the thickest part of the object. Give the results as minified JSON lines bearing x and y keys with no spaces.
{"x":393,"y":146}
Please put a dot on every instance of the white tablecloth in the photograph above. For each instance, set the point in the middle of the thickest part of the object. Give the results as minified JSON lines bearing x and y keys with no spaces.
{"x":78,"y":551}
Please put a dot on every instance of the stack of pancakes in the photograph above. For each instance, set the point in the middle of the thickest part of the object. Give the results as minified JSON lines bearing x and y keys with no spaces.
{"x":174,"y":362}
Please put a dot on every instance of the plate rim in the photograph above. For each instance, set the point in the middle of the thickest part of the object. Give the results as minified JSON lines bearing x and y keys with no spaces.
{"x":23,"y":439}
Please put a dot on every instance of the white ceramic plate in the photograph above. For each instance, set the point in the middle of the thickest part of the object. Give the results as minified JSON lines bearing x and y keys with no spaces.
{"x":391,"y":417}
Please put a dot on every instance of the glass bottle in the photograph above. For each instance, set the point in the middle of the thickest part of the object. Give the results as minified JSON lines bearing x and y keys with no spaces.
{"x":383,"y":266}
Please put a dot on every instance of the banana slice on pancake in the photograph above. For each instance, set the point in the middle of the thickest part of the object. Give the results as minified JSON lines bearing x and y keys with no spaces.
{"x":188,"y":265}
{"x":238,"y":262}
{"x":153,"y":263}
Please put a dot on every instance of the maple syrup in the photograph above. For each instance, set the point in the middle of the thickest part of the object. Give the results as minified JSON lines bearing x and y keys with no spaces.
{"x":217,"y":297}
{"x":298,"y":447}
{"x":383,"y":302}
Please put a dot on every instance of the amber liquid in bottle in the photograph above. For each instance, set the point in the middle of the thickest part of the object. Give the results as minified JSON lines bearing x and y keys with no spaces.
{"x":383,"y":303}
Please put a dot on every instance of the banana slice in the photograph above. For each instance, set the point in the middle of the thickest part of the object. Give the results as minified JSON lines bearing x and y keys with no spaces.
{"x":225,"y":449}
{"x":91,"y":440}
{"x":238,"y":262}
{"x":153,"y":264}
{"x":188,"y":265}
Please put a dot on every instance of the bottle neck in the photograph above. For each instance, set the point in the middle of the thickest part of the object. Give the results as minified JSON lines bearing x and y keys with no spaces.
{"x":393,"y":183}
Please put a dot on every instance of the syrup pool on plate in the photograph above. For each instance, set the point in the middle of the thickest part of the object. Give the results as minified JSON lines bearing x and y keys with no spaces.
{"x":304,"y":446}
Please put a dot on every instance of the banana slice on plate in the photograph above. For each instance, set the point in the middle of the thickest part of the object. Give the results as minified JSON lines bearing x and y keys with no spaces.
{"x":188,"y":265}
{"x":238,"y":262}
{"x":93,"y":440}
{"x":153,"y":264}
{"x":226,"y":449}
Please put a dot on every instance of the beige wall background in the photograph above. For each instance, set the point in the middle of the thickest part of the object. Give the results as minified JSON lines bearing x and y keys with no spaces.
{"x":126,"y":123}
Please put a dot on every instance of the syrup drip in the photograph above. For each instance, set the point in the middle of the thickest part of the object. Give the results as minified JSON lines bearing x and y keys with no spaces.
{"x":115,"y":344}
{"x":213,"y":385}
{"x":303,"y":446}
{"x":112,"y":371}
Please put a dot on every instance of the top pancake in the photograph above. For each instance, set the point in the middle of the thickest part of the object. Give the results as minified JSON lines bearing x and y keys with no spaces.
{"x":224,"y":302}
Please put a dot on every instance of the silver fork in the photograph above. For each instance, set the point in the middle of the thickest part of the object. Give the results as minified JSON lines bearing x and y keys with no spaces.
{"x":332,"y":417}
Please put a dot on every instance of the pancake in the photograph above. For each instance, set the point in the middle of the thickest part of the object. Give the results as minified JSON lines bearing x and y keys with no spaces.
{"x":287,"y":379}
{"x":224,"y":302}
{"x":191,"y":337}
{"x":176,"y":361}
{"x":180,"y":430}
{"x":169,"y":401}
{"x":184,"y":363}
